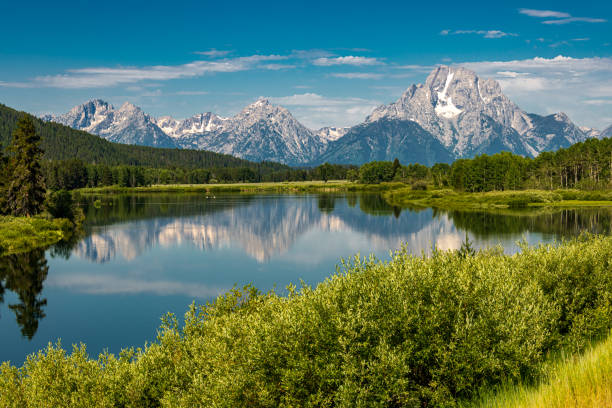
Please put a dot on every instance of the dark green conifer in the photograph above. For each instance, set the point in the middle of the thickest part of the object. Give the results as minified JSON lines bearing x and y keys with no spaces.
{"x":3,"y":181}
{"x":26,"y":186}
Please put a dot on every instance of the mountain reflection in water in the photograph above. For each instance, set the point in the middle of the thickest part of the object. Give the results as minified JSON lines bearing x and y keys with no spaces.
{"x":142,"y":255}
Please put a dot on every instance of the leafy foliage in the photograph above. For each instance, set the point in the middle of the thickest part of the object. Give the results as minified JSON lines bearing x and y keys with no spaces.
{"x":410,"y":332}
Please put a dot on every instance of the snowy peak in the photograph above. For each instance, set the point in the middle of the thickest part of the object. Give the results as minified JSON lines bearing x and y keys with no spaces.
{"x":444,"y":104}
{"x":470,"y":115}
{"x":331,"y":134}
{"x":128,"y":124}
{"x":197,"y":124}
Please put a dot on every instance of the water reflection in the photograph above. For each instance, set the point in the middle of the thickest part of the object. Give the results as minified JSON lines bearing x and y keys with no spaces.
{"x":266,"y":226}
{"x":262,"y":226}
{"x":138,"y":252}
{"x":24,"y":274}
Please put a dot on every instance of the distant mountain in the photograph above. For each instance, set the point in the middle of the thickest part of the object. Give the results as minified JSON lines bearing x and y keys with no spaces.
{"x":197,"y":124}
{"x":386,"y":139}
{"x":607,"y":132}
{"x":127,"y":125}
{"x":61,"y":142}
{"x":260,"y":132}
{"x":454,"y":114}
{"x":470,"y":116}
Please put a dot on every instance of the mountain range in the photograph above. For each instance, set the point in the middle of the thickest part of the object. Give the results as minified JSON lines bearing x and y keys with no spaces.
{"x":454,"y":114}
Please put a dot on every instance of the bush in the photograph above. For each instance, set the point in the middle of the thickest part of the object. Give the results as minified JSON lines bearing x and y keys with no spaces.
{"x":410,"y":332}
{"x":376,"y":172}
{"x":419,"y":185}
{"x":60,"y":204}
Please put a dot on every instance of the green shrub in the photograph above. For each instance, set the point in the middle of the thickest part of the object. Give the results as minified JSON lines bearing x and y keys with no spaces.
{"x":410,"y":332}
{"x":60,"y":204}
{"x":376,"y":172}
{"x":419,"y":185}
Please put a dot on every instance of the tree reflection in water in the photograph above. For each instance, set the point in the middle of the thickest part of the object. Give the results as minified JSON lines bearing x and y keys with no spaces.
{"x":24,"y":274}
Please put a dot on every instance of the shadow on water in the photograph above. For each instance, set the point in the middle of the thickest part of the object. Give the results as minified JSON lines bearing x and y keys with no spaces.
{"x":265,"y":226}
{"x":562,"y":223}
{"x":24,"y":275}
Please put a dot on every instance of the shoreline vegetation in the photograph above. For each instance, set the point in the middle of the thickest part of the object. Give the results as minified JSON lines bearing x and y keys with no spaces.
{"x":455,"y":200}
{"x":395,"y":193}
{"x":569,"y":381}
{"x":24,"y":234}
{"x":413,"y":331}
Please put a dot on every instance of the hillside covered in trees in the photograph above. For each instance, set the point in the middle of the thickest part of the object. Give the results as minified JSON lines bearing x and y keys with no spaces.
{"x":60,"y":142}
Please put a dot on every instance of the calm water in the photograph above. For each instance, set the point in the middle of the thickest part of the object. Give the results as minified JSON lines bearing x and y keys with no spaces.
{"x":142,"y":256}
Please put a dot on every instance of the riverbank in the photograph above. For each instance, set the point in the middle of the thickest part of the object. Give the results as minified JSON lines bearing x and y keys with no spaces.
{"x":395,"y":193}
{"x":23,"y":234}
{"x":414,"y":331}
{"x":574,"y":381}
{"x":454,"y":200}
{"x":279,"y":187}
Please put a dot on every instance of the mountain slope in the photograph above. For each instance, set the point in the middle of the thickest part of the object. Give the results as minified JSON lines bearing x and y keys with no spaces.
{"x":607,"y":132}
{"x":263,"y":131}
{"x":61,"y":142}
{"x":470,"y":115}
{"x":387,"y":139}
{"x":128,"y":124}
{"x":466,"y":115}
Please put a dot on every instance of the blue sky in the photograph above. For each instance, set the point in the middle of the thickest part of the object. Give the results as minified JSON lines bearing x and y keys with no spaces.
{"x":328,"y":62}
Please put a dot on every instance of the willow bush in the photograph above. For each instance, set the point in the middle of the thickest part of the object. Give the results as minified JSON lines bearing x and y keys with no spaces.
{"x":411,"y":332}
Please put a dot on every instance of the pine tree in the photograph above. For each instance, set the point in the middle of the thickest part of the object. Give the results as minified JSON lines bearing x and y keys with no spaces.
{"x":3,"y":182}
{"x":26,"y":188}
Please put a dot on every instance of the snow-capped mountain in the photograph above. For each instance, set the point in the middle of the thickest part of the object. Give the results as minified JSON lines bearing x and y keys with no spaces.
{"x":128,"y":124}
{"x":197,"y":124}
{"x":470,"y":115}
{"x":331,"y":134}
{"x":454,"y":114}
{"x":261,"y":131}
{"x":607,"y":132}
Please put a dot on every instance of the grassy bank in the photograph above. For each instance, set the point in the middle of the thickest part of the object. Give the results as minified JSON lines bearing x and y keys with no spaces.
{"x":410,"y":332}
{"x":280,"y":187}
{"x":579,"y":381}
{"x":450,"y":199}
{"x":21,"y":234}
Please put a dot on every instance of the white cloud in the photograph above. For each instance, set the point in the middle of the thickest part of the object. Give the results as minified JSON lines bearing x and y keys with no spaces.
{"x":358,"y":75}
{"x":316,"y":111}
{"x":484,"y":33}
{"x":543,"y":13}
{"x":276,"y":67}
{"x":100,"y":77}
{"x":110,"y":285}
{"x":188,"y":93}
{"x":598,"y":102}
{"x":559,"y":17}
{"x":548,"y":85}
{"x":213,"y":53}
{"x":575,"y":19}
{"x":348,"y":60}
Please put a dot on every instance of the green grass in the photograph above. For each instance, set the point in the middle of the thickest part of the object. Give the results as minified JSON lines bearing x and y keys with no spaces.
{"x":450,"y":199}
{"x":570,"y":381}
{"x":272,"y":187}
{"x":21,"y":234}
{"x":412,"y":332}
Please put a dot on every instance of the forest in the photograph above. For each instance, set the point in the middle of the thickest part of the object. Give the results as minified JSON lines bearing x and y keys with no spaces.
{"x":76,"y":159}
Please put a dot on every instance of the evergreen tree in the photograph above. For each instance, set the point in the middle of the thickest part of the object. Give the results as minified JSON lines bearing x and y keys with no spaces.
{"x":3,"y":182}
{"x":26,"y":189}
{"x":396,"y":166}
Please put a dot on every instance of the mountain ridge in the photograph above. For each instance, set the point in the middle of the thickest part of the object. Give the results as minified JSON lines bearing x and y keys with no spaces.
{"x":465,"y":114}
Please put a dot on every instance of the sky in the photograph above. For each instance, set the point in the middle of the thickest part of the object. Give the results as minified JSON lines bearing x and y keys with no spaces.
{"x":329,"y":62}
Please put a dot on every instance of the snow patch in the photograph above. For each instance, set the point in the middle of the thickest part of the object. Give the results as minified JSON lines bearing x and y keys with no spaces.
{"x":445,"y":107}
